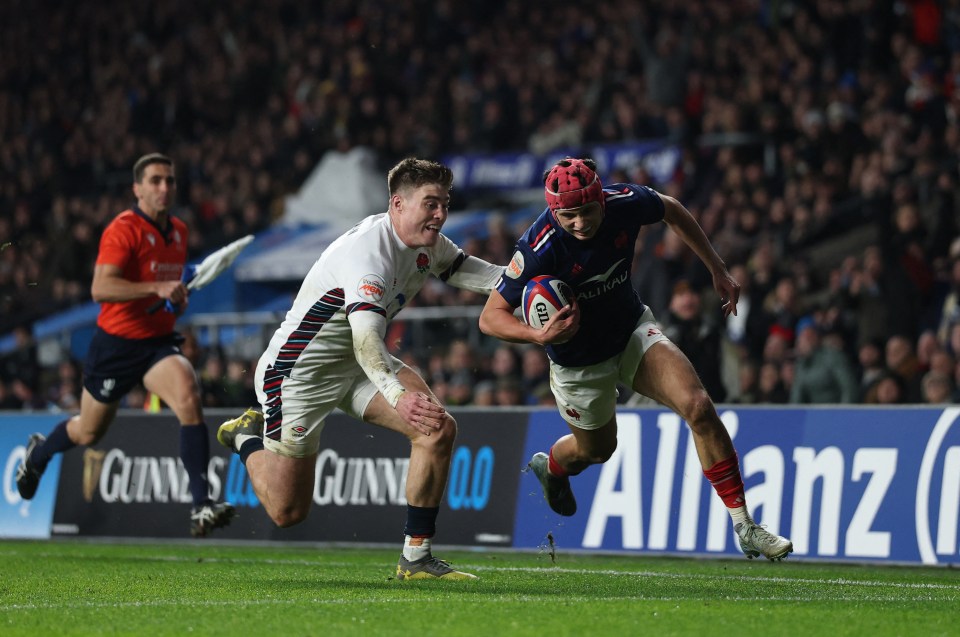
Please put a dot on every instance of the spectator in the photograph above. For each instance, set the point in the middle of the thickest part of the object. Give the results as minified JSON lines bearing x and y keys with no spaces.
{"x":699,"y":339}
{"x":784,"y":307}
{"x":942,"y":361}
{"x":837,"y":134}
{"x":927,"y":346}
{"x":535,"y":370}
{"x":823,"y":374}
{"x":902,"y":360}
{"x":950,"y":308}
{"x":22,"y":364}
{"x":460,"y":388}
{"x":937,"y":388}
{"x":771,"y":386}
{"x":748,"y":383}
{"x":505,"y":361}
{"x":509,"y":393}
{"x":887,"y":390}
{"x":748,"y":328}
{"x":238,"y":384}
{"x":484,"y":394}
{"x":884,"y":298}
{"x":212,"y":377}
{"x":871,"y":366}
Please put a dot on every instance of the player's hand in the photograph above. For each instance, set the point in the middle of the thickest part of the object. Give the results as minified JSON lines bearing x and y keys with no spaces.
{"x":729,"y":291}
{"x":421,"y":412}
{"x":173,"y":291}
{"x":562,"y":326}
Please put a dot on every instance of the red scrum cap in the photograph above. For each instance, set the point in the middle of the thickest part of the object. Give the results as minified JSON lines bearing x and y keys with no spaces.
{"x":572,"y":183}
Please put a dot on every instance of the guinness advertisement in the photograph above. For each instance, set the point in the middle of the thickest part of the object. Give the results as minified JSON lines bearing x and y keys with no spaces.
{"x":132,"y":483}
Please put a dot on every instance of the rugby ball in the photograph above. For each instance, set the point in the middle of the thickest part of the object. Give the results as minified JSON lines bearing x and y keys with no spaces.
{"x":543,"y":297}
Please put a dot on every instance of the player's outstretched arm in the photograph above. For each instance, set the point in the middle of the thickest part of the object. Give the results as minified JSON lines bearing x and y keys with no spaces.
{"x":474,"y":274}
{"x":682,"y":222}
{"x":416,"y":408}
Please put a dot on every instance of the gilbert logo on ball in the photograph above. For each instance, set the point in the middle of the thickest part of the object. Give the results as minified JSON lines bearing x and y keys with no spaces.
{"x":543,"y":297}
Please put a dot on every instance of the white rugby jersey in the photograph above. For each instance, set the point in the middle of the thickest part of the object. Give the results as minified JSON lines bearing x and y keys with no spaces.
{"x":366,"y":269}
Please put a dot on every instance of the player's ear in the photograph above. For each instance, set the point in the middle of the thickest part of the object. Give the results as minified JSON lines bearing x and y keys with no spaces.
{"x":395,"y":202}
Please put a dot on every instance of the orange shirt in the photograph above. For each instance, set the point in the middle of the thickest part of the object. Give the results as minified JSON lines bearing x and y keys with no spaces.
{"x":135,"y":244}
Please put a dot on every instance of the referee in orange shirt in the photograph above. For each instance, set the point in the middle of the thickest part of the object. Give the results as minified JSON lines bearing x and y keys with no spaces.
{"x":142,"y":255}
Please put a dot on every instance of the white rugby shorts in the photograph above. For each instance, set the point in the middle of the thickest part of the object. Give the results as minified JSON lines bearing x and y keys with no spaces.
{"x":306,"y":403}
{"x":587,"y":396}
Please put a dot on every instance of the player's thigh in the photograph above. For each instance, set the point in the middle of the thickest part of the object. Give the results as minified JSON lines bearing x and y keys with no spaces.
{"x":666,"y":375}
{"x":370,"y":405}
{"x":174,"y":380}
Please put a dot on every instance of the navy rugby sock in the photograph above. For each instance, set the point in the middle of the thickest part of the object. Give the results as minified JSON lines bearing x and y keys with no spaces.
{"x":57,"y":442}
{"x":248,"y":447}
{"x":195,"y":454}
{"x":421,"y":521}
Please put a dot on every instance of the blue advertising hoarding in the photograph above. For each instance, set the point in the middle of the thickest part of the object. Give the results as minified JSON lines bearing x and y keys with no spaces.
{"x":844,"y":484}
{"x":21,"y":518}
{"x":516,"y":170}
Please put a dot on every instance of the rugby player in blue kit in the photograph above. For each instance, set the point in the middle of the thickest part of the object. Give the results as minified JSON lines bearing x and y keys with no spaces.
{"x":586,"y":237}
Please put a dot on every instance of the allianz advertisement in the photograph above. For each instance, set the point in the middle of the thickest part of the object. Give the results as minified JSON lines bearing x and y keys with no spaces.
{"x":844,"y":484}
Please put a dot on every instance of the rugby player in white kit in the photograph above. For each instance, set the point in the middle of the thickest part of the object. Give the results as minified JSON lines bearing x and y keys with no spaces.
{"x":329,"y":352}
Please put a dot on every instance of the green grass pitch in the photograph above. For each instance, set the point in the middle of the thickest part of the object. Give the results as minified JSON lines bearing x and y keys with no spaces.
{"x":201,"y":588}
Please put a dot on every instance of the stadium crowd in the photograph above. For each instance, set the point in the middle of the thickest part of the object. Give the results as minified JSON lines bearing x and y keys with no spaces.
{"x":820,"y":154}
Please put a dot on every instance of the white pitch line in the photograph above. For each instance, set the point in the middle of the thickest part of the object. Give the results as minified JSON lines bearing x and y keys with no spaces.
{"x":549,"y":569}
{"x":744,"y":578}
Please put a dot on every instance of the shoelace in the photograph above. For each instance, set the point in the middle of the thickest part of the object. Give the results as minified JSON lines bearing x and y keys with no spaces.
{"x":757,"y":533}
{"x":436,"y":562}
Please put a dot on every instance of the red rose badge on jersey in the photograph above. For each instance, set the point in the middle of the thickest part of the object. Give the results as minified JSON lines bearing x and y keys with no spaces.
{"x":423,"y":263}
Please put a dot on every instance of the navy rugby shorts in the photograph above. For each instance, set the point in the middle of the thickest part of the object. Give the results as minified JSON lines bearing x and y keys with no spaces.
{"x":115,"y":365}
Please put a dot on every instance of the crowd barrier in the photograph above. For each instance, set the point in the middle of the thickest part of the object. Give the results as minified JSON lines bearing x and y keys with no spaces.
{"x":845,"y":484}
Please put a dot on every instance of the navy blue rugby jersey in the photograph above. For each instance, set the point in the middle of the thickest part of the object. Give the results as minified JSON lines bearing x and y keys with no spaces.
{"x":598,"y":270}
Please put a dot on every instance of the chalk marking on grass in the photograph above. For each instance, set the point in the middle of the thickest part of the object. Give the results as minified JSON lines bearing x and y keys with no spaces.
{"x":744,"y":578}
{"x":199,"y":559}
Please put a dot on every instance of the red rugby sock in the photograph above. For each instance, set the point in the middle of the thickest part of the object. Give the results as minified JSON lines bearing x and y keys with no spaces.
{"x":554,"y":467}
{"x":726,"y":481}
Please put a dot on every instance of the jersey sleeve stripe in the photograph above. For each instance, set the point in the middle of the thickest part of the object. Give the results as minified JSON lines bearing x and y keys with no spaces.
{"x":446,"y":274}
{"x":365,"y":307}
{"x":543,"y":240}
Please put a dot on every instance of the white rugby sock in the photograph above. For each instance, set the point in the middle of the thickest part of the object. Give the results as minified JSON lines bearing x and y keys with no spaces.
{"x":240,"y":439}
{"x":739,"y":515}
{"x":415,"y":548}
